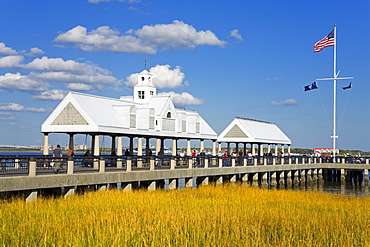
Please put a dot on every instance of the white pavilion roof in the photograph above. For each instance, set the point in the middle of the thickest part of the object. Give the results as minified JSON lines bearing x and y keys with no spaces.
{"x":243,"y":130}
{"x":83,"y":113}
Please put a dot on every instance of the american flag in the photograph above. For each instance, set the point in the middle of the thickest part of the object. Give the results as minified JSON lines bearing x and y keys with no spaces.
{"x":325,"y":42}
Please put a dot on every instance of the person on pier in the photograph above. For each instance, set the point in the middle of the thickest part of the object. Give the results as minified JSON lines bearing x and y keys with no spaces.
{"x":57,"y":153}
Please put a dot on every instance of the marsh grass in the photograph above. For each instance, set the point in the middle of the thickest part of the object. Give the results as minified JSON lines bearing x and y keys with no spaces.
{"x":229,"y":215}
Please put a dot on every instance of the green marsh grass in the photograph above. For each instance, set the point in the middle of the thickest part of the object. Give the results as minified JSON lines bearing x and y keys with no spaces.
{"x":228,"y":215}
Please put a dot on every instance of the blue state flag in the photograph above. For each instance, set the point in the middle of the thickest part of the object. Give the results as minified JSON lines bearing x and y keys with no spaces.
{"x":310,"y":87}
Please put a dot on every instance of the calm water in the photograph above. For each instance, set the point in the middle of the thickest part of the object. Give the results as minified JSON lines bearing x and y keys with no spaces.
{"x":347,"y":189}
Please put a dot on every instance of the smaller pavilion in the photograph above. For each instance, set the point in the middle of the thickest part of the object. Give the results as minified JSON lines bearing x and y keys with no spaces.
{"x":256,"y":133}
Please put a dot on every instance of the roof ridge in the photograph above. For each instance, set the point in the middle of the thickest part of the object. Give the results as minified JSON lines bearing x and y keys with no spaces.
{"x":243,"y":118}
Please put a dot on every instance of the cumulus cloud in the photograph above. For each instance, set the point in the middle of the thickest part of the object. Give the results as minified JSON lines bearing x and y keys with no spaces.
{"x":20,"y":82}
{"x":75,"y":78}
{"x":235,"y":34}
{"x":77,"y":75}
{"x":55,"y":94}
{"x":163,"y":77}
{"x":18,"y":107}
{"x":177,"y":35}
{"x":104,"y":39}
{"x":79,"y":86}
{"x":35,"y":51}
{"x":183,"y":99}
{"x":147,"y":40}
{"x":287,"y":102}
{"x":58,"y":64}
{"x":7,"y":50}
{"x":11,"y":61}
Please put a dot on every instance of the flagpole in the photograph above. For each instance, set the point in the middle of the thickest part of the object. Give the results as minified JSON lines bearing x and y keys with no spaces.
{"x":334,"y":92}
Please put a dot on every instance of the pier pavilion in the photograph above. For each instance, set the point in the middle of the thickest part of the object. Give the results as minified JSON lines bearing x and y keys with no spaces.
{"x":143,"y":115}
{"x":256,"y":133}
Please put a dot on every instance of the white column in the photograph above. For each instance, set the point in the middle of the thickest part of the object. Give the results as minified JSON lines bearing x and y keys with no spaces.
{"x":219,"y":147}
{"x":119,"y":145}
{"x":174,"y":147}
{"x":261,"y":149}
{"x":188,"y":148}
{"x":288,"y":148}
{"x":139,"y":146}
{"x":119,"y":151}
{"x":157,"y":145}
{"x":276,"y":150}
{"x":268,"y":148}
{"x":46,"y":144}
{"x":201,"y":145}
{"x":96,"y":145}
{"x":253,"y":149}
{"x":282,"y":149}
{"x":96,"y":151}
{"x":213,"y":147}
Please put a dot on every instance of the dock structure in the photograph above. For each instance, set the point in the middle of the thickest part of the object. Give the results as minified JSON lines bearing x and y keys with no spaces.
{"x":261,"y":155}
{"x":33,"y":175}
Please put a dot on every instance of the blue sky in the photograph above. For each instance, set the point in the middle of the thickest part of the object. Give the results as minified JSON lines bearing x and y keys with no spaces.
{"x":231,"y":58}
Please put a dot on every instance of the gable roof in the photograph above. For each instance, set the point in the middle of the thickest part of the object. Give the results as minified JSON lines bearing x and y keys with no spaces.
{"x":84,"y":113}
{"x":244,"y":130}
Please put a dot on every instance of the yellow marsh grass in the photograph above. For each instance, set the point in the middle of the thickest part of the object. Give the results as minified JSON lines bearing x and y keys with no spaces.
{"x":229,"y":215}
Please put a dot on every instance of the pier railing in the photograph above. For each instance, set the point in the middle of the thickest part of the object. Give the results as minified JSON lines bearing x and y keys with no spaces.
{"x":46,"y":165}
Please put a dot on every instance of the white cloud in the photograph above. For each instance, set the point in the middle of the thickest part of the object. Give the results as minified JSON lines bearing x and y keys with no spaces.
{"x":287,"y":102}
{"x":20,"y":82}
{"x":18,"y":107}
{"x":35,"y":51}
{"x":146,"y":40}
{"x":75,"y":78}
{"x":7,"y":50}
{"x":273,"y":78}
{"x":104,"y":39}
{"x":11,"y":61}
{"x":177,"y":35}
{"x":56,"y":70}
{"x":58,"y":64}
{"x":69,"y":71}
{"x":79,"y":86}
{"x":183,"y":99}
{"x":235,"y":33}
{"x":163,"y":77}
{"x":55,"y":94}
